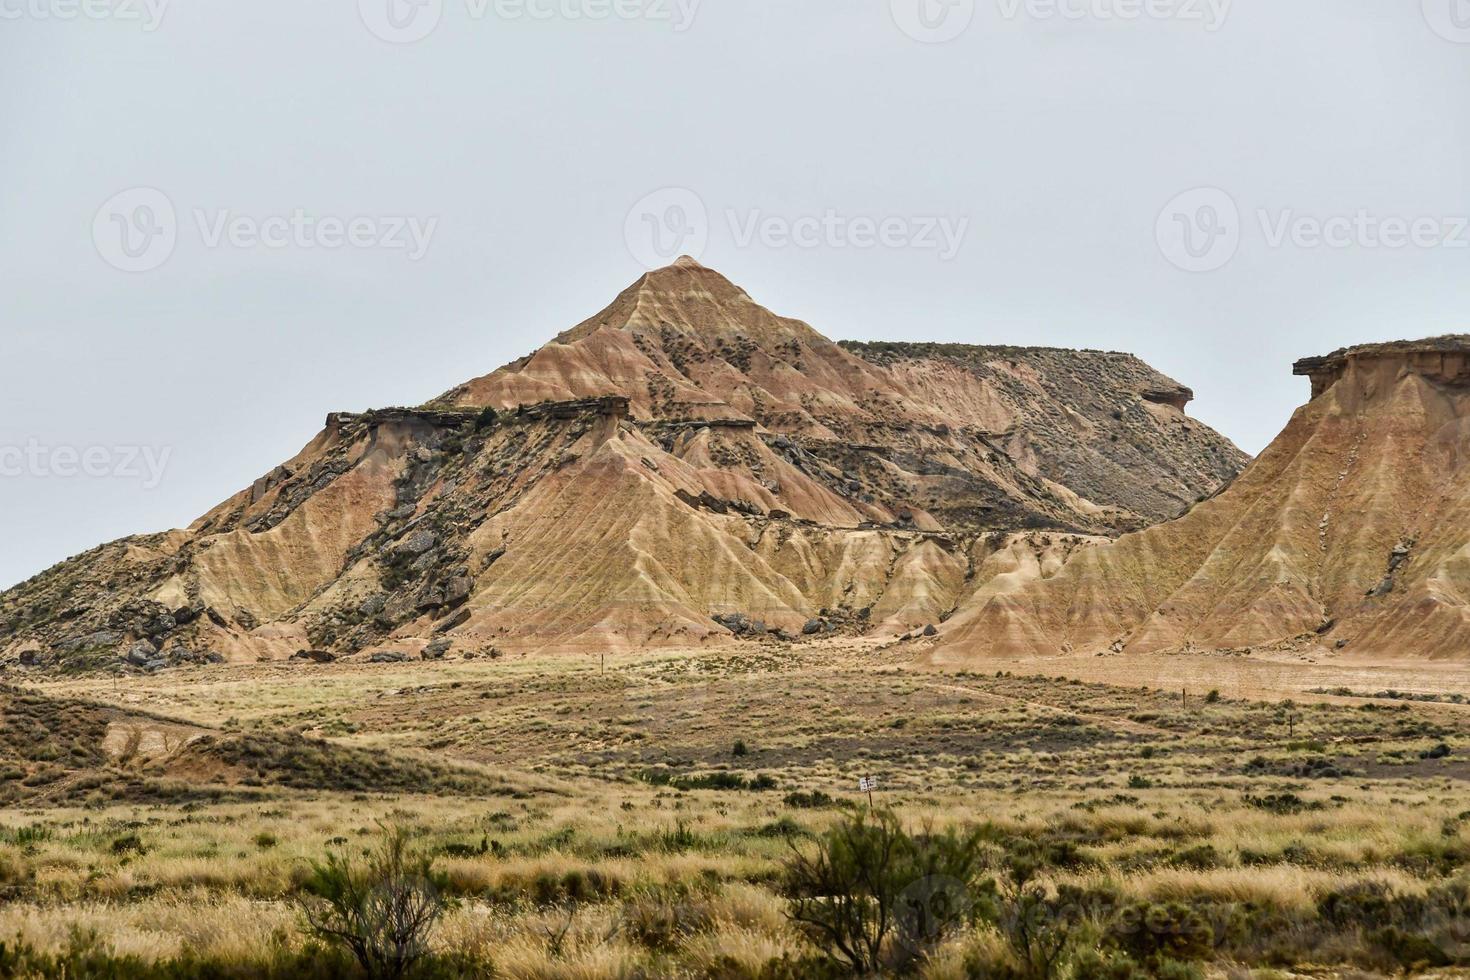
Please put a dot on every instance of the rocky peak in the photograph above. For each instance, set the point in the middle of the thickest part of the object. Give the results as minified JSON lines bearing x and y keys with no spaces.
{"x":691,"y":299}
{"x":1444,"y":359}
{"x":683,"y":457}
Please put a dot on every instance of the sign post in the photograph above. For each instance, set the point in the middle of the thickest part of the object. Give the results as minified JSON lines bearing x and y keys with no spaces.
{"x":867,"y":784}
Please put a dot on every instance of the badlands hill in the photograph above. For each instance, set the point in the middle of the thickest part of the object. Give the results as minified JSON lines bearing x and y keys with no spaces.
{"x":682,"y":467}
{"x":1351,"y":532}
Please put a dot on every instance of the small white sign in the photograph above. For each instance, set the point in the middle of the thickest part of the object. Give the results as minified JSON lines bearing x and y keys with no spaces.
{"x":867,"y":784}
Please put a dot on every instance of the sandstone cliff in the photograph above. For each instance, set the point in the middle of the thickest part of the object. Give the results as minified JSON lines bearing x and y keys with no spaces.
{"x":1351,"y":533}
{"x":682,"y":467}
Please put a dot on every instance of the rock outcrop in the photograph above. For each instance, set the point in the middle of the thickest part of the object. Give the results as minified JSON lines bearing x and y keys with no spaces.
{"x":683,"y":461}
{"x":1350,"y":533}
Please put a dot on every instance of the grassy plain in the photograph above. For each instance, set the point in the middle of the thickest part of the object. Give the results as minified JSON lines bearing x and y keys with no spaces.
{"x":635,"y":817}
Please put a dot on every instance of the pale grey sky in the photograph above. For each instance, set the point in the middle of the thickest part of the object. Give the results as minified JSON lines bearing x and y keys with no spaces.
{"x":1010,"y":185}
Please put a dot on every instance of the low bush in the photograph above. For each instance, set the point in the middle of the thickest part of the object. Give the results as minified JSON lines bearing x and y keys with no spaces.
{"x":381,"y":909}
{"x":874,"y":896}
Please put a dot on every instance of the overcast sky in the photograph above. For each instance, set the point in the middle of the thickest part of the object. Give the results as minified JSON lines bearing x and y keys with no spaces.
{"x":224,"y":220}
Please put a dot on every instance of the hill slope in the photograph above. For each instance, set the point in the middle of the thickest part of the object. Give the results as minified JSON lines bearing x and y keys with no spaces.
{"x":1350,"y":532}
{"x":681,"y":456}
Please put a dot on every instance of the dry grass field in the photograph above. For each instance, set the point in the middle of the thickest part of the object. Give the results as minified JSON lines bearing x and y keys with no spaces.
{"x":650,"y":815}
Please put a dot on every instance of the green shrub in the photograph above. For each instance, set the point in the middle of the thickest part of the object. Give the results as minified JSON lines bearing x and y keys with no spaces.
{"x":1283,"y":804}
{"x":381,"y":909}
{"x":872,"y":895}
{"x":1041,"y":931}
{"x":1152,"y":932}
{"x":815,"y":800}
{"x":129,"y":844}
{"x":1200,"y":858}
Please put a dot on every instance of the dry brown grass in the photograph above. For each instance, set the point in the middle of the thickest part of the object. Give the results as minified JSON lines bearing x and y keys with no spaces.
{"x":1150,"y":796}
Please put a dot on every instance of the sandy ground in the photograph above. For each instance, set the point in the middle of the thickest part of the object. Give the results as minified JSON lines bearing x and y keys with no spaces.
{"x":1261,"y":677}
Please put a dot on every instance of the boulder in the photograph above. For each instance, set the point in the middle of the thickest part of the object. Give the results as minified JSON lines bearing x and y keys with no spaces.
{"x":930,"y":630}
{"x":737,"y":623}
{"x":437,"y":650}
{"x":813,"y":627}
{"x":160,"y":625}
{"x":315,"y":656}
{"x":185,"y":615}
{"x":419,"y":542}
{"x":141,"y":654}
{"x":389,"y":657}
{"x":454,"y":622}
{"x":457,"y":590}
{"x":103,"y":638}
